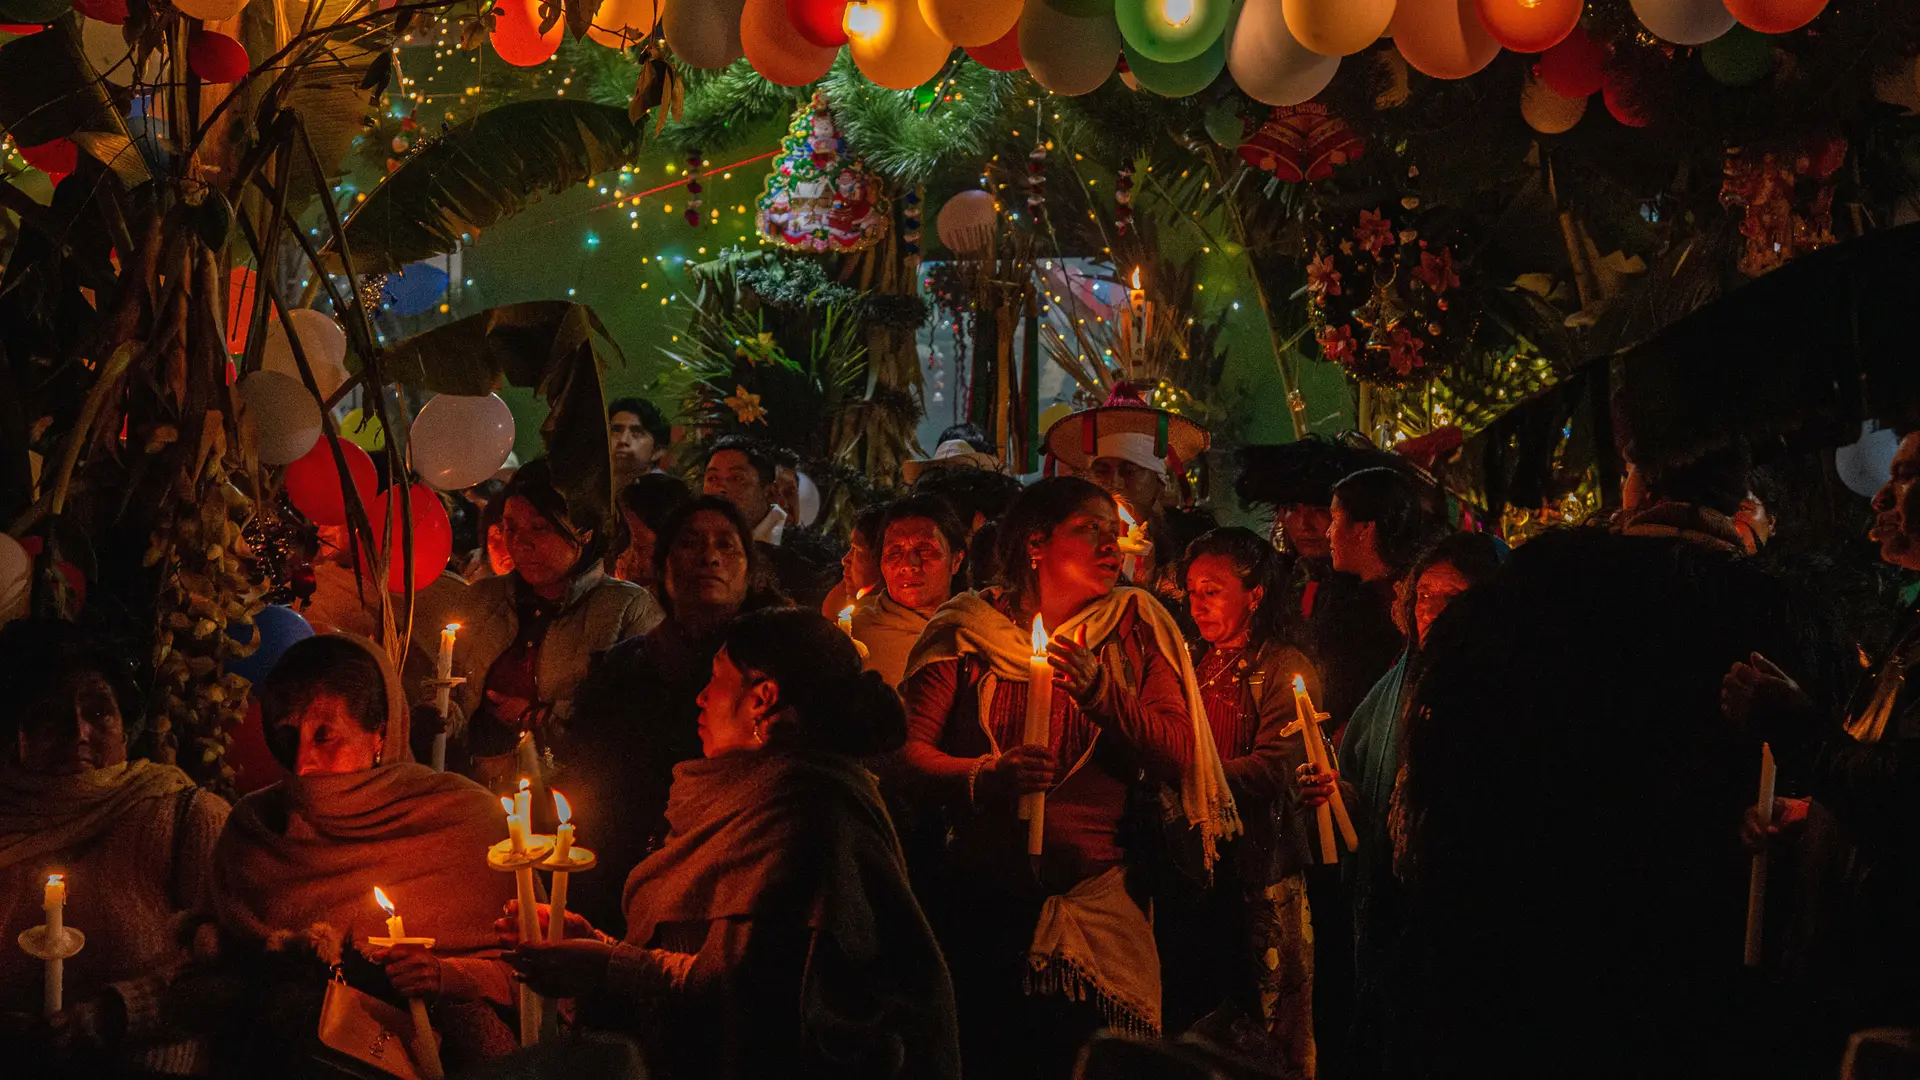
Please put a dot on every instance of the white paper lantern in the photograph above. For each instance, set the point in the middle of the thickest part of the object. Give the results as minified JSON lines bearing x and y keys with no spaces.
{"x":1684,"y":22}
{"x":967,"y":222}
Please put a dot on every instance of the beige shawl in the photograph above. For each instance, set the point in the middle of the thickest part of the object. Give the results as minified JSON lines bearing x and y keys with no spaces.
{"x":41,"y":815}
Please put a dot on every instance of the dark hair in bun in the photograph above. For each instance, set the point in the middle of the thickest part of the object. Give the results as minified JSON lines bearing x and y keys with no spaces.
{"x":837,"y":707}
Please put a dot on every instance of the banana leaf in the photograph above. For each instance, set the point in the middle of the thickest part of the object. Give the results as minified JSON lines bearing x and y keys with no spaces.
{"x":555,"y":348}
{"x":481,"y":172}
{"x":33,"y":11}
{"x":49,"y":91}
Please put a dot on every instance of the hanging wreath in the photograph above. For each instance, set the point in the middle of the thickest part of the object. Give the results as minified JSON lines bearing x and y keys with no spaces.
{"x":1382,"y":298}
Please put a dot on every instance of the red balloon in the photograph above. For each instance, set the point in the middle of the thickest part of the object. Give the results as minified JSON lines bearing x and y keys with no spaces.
{"x":217,"y":58}
{"x":22,"y":29}
{"x":57,"y":159}
{"x":432,"y":537}
{"x":819,"y":21}
{"x":313,"y":483}
{"x":1529,"y":26}
{"x":517,"y":37}
{"x":1002,"y":55}
{"x":76,"y":581}
{"x":1617,"y":104}
{"x":1575,"y":67}
{"x":1775,"y":16}
{"x":112,"y":12}
{"x":776,"y":50}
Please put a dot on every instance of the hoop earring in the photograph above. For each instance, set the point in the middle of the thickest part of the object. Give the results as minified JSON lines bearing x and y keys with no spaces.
{"x":1033,"y":562}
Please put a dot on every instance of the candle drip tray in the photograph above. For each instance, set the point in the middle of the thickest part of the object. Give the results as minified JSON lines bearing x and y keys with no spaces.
{"x":501,"y":856}
{"x":390,"y":942}
{"x":34,"y":943}
{"x":578,"y":859}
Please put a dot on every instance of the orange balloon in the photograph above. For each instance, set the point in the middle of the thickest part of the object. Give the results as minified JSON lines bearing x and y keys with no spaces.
{"x":892,"y":45}
{"x":1775,"y":16}
{"x":1530,"y":26}
{"x":776,"y":50}
{"x":620,"y":23}
{"x":1442,"y":38}
{"x":969,"y":23}
{"x":517,"y":37}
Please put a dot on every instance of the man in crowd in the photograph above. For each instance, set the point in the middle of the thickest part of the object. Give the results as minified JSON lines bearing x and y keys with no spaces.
{"x":745,"y":472}
{"x":922,"y":546}
{"x":637,"y":437}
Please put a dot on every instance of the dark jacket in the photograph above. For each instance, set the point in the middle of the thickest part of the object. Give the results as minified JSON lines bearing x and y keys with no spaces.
{"x":1354,"y":638}
{"x":1275,"y":845}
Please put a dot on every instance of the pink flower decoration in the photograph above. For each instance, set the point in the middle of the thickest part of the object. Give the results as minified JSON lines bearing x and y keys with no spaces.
{"x":1403,"y":350}
{"x":1436,"y":271}
{"x":1322,"y":278}
{"x":1337,"y":343}
{"x":1373,"y":232}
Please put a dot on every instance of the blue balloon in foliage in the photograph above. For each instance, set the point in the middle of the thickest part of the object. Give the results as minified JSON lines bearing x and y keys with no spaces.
{"x":277,"y":629}
{"x":415,"y":290}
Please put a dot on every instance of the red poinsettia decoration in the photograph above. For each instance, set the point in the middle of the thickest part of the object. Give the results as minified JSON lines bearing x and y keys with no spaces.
{"x":1436,"y":271}
{"x":1373,"y":233}
{"x":1382,"y":296}
{"x":1337,"y":343}
{"x":1403,"y":350}
{"x":1322,"y":279}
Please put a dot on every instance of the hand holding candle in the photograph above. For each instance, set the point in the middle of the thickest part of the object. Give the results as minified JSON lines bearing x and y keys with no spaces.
{"x":1307,"y":720}
{"x":1757,"y":877}
{"x":52,"y":942}
{"x":1134,"y":544}
{"x":425,"y":1046}
{"x":1039,"y":730}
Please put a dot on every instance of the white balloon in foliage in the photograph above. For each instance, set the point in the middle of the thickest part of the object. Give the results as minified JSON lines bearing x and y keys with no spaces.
{"x":967,"y":222}
{"x":809,"y":499}
{"x":324,"y":343}
{"x":1066,"y":54}
{"x":281,"y":415}
{"x":1268,"y":63}
{"x":704,"y":33}
{"x":1865,"y":465}
{"x":1684,"y":22}
{"x":1547,"y":112}
{"x":457,"y":441}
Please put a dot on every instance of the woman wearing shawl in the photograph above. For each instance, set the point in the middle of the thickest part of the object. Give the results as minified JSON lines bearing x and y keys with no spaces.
{"x":775,"y":934}
{"x":1067,"y":928}
{"x":295,"y":870}
{"x":134,"y":840}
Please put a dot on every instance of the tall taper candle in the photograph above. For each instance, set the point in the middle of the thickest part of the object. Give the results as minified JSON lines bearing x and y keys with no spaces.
{"x":443,"y":694}
{"x":54,"y":902}
{"x":1757,"y":879}
{"x":1039,"y":731}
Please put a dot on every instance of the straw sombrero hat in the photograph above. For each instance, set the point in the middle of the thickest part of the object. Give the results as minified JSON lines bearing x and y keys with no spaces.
{"x":1128,"y":428}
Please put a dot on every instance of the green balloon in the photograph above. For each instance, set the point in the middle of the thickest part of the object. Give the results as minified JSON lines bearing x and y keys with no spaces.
{"x":1172,"y":31}
{"x":1739,"y":57}
{"x":1081,"y":9}
{"x":1224,"y":125}
{"x":1179,"y":80}
{"x":33,"y":11}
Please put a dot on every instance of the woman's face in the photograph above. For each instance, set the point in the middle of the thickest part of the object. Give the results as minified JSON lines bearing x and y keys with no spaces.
{"x":1222,"y":607}
{"x":330,"y":740}
{"x":917,"y":564}
{"x":73,"y":728}
{"x":543,"y":555}
{"x":859,"y":567}
{"x":1350,"y":542}
{"x":1080,"y":559}
{"x":707,"y":565}
{"x":636,"y":563}
{"x":1439,"y":584}
{"x":733,"y":710}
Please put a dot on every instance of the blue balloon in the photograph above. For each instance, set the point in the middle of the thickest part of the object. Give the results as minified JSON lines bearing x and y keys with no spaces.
{"x":416,"y":289}
{"x":277,"y":628}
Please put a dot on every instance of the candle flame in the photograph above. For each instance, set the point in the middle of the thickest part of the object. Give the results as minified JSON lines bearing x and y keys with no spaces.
{"x":1121,"y":505}
{"x":846,"y":613}
{"x":506,"y":804}
{"x":862,"y":594}
{"x":1136,"y":277}
{"x":525,"y":784}
{"x":1039,"y":637}
{"x":380,"y":897}
{"x":1177,"y":12}
{"x":56,"y":879}
{"x":1299,"y":684}
{"x":863,"y":20}
{"x":453,"y":628}
{"x":560,"y":808}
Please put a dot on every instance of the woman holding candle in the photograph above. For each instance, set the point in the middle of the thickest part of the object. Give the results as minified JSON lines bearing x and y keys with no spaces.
{"x":1123,"y":702}
{"x":132,"y":842}
{"x":358,"y":813}
{"x":775,"y":933}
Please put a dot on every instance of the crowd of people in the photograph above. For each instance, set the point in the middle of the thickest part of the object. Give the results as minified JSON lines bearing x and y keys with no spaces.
{"x":1011,"y":767}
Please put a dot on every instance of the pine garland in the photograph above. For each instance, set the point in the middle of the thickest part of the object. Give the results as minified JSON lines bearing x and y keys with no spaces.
{"x":900,"y":141}
{"x":724,"y":108}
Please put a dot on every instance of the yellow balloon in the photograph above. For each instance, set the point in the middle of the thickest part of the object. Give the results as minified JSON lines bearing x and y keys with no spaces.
{"x":971,"y":23}
{"x":620,"y":23}
{"x":210,"y":10}
{"x":1337,"y":27}
{"x":363,"y":431}
{"x":1547,"y":112}
{"x":892,"y":44}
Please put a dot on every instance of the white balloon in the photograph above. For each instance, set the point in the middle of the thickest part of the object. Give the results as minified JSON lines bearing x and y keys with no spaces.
{"x":1065,"y":54}
{"x":283,"y":417}
{"x":1866,"y":465}
{"x":16,"y":579}
{"x":1684,"y":22}
{"x":1547,"y":112}
{"x":704,"y":33}
{"x":457,"y":442}
{"x":1268,"y":64}
{"x":967,"y":222}
{"x":809,"y":499}
{"x":322,"y":339}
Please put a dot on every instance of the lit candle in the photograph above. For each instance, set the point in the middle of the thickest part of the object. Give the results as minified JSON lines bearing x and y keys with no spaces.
{"x":426,"y":1048}
{"x":443,"y":693}
{"x":1137,"y":313}
{"x":562,"y":852}
{"x":514,"y":837}
{"x":1039,"y":730}
{"x":523,"y":811}
{"x":55,"y":904}
{"x":396,"y":929}
{"x":1335,"y":808}
{"x":1757,"y":880}
{"x":1134,"y":544}
{"x":846,"y":620}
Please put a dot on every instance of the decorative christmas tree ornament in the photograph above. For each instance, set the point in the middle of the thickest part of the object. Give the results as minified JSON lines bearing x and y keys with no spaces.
{"x":816,"y":199}
{"x":1380,"y":295}
{"x":1302,"y":143}
{"x":1684,"y":22}
{"x":967,"y":222}
{"x":1442,"y":38}
{"x":1037,"y":185}
{"x":1739,"y":57}
{"x":913,"y":205}
{"x":1575,"y":68}
{"x":1171,"y":31}
{"x":1775,"y":16}
{"x":1123,"y":198}
{"x":1547,"y":112}
{"x":1529,"y":26}
{"x":1337,"y":27}
{"x":1268,"y":63}
{"x":776,"y":50}
{"x":694,"y":189}
{"x":819,"y":22}
{"x":971,"y":23}
{"x":1067,"y":54}
{"x":892,"y":44}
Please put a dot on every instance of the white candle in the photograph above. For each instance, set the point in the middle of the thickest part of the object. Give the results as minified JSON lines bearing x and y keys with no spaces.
{"x":55,"y":905}
{"x":1334,"y":810}
{"x":443,"y":694}
{"x":562,"y":851}
{"x":1133,"y":544}
{"x":515,"y":838}
{"x":426,"y":1048}
{"x":846,"y":620}
{"x":1137,"y":309}
{"x":531,"y":1008}
{"x":1757,"y":879}
{"x":523,"y":813}
{"x":1039,"y":731}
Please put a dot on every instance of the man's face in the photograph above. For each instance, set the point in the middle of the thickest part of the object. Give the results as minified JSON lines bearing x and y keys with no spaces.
{"x":1142,"y":488}
{"x":1896,"y":524}
{"x":629,"y":444}
{"x":786,"y":492}
{"x":1306,"y":528}
{"x":917,"y":563}
{"x":732,"y":476}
